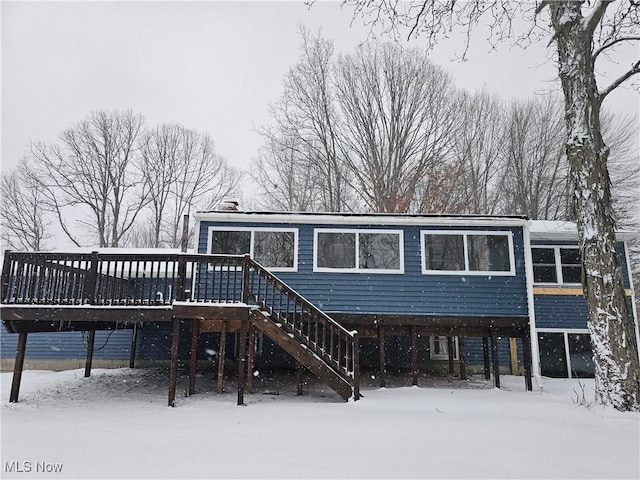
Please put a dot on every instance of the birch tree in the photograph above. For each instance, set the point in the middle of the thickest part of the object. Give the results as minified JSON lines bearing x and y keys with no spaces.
{"x":583,"y":33}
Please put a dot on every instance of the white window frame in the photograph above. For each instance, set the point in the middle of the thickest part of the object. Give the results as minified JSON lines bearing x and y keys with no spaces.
{"x":443,"y":356}
{"x":357,"y":268}
{"x":465,"y":234}
{"x":210,"y":231}
{"x":558,"y":260}
{"x":565,"y":337}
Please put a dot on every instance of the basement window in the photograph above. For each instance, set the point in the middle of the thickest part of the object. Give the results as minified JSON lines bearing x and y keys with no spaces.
{"x":370,"y":251}
{"x":275,"y":249}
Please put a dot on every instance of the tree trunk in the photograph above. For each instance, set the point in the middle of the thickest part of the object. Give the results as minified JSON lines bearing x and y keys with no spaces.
{"x":612,"y":331}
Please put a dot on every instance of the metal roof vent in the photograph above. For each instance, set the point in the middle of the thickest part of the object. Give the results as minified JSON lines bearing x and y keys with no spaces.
{"x":228,"y":206}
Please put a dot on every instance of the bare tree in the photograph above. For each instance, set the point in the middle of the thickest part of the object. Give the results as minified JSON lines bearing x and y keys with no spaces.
{"x":536,"y":170}
{"x":182,"y":171}
{"x":584,"y":32}
{"x":398,"y":120}
{"x":304,"y":133}
{"x":477,"y":149}
{"x":23,"y":216}
{"x":94,"y":165}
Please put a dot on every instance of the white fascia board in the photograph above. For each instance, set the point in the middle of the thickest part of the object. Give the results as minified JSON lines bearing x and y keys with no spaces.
{"x":567,"y":231}
{"x":364,"y":219}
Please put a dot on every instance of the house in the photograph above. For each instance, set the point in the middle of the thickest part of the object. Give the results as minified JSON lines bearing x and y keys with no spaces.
{"x":331,"y":292}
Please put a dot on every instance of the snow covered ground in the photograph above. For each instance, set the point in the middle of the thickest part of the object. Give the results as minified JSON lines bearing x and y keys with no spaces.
{"x":116,"y":424}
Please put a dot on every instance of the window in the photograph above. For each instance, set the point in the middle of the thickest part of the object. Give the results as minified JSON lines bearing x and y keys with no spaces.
{"x":556,"y":265}
{"x":275,"y":249}
{"x":372,"y":251}
{"x":439,"y":347}
{"x":448,"y":252}
{"x":566,"y":354}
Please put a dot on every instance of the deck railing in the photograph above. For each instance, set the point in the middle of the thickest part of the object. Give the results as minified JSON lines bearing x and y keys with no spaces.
{"x":120,"y":279}
{"x":325,"y":337}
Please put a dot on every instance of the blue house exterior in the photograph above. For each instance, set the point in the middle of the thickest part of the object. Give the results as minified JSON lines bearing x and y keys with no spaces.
{"x":424,"y":292}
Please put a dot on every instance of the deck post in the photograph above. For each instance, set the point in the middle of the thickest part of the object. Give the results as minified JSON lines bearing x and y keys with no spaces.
{"x":382,"y":359}
{"x":92,"y":280}
{"x":250,"y":354}
{"x":494,"y":355}
{"x":242,"y":358}
{"x":450,"y":352}
{"x":485,"y":356}
{"x":462,"y":359}
{"x":134,"y":345}
{"x":356,"y":366}
{"x":414,"y":355}
{"x":173,"y":372}
{"x":6,"y":267}
{"x":513,"y":354}
{"x":299,"y":379}
{"x":526,"y":354}
{"x":222,"y":352}
{"x":195,"y":331}
{"x":18,"y":366}
{"x":91,"y":340}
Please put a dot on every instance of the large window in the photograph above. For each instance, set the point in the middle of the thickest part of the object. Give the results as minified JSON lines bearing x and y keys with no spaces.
{"x":448,"y":252}
{"x":273,"y":248}
{"x":556,"y":265}
{"x":371,"y":251}
{"x":566,"y":354}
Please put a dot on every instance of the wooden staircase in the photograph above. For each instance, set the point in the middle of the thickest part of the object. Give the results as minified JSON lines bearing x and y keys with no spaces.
{"x":309,"y":335}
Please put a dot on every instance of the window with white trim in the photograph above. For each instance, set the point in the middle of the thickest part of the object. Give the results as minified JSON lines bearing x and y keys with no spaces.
{"x":275,"y":249}
{"x":558,"y":265}
{"x":370,"y":251}
{"x":439,"y":347}
{"x":475,"y":253}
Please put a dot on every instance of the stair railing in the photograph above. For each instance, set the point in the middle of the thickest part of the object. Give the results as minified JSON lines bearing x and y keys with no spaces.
{"x":313,"y":328}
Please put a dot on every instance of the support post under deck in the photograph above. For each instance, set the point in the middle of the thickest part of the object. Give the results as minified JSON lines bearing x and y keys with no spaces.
{"x":526,"y":354}
{"x":222,"y":353}
{"x":250,"y":354}
{"x":485,"y":356}
{"x":462,"y":359}
{"x":195,"y":331}
{"x":242,"y":358}
{"x":382,"y":359}
{"x":494,"y":355}
{"x":450,"y":352}
{"x":414,"y":355}
{"x":91,"y":340}
{"x":173,"y":372}
{"x":18,"y":366}
{"x":134,"y":345}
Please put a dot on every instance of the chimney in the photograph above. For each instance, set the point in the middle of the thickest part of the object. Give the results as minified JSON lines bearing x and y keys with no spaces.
{"x":228,"y":206}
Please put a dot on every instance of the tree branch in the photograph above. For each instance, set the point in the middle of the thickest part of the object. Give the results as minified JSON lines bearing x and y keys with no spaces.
{"x":592,"y":21}
{"x":612,"y":43}
{"x":632,"y":71}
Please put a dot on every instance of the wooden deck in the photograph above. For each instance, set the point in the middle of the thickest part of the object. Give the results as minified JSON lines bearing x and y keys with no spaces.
{"x":47,"y":292}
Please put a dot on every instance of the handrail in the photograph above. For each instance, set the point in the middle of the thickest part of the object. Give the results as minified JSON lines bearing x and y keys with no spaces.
{"x":119,"y":278}
{"x":325,"y":337}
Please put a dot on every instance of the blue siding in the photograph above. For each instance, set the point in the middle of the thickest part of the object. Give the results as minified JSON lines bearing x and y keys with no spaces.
{"x":411,"y":293}
{"x":114,"y":345}
{"x":560,"y":311}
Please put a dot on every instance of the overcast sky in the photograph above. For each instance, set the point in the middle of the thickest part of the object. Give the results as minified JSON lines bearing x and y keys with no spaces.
{"x":210,"y":66}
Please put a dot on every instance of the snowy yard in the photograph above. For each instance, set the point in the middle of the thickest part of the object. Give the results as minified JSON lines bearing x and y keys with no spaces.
{"x":116,"y":425}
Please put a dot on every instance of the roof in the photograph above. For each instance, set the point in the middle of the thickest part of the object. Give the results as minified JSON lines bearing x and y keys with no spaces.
{"x":359,"y":218}
{"x":563,"y":230}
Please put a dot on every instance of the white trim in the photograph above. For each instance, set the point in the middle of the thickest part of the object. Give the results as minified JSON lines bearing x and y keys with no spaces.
{"x":216,"y":228}
{"x":633,"y":297}
{"x":560,"y":330}
{"x":364,"y":219}
{"x":465,"y":233}
{"x":357,"y":269}
{"x":535,"y":349}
